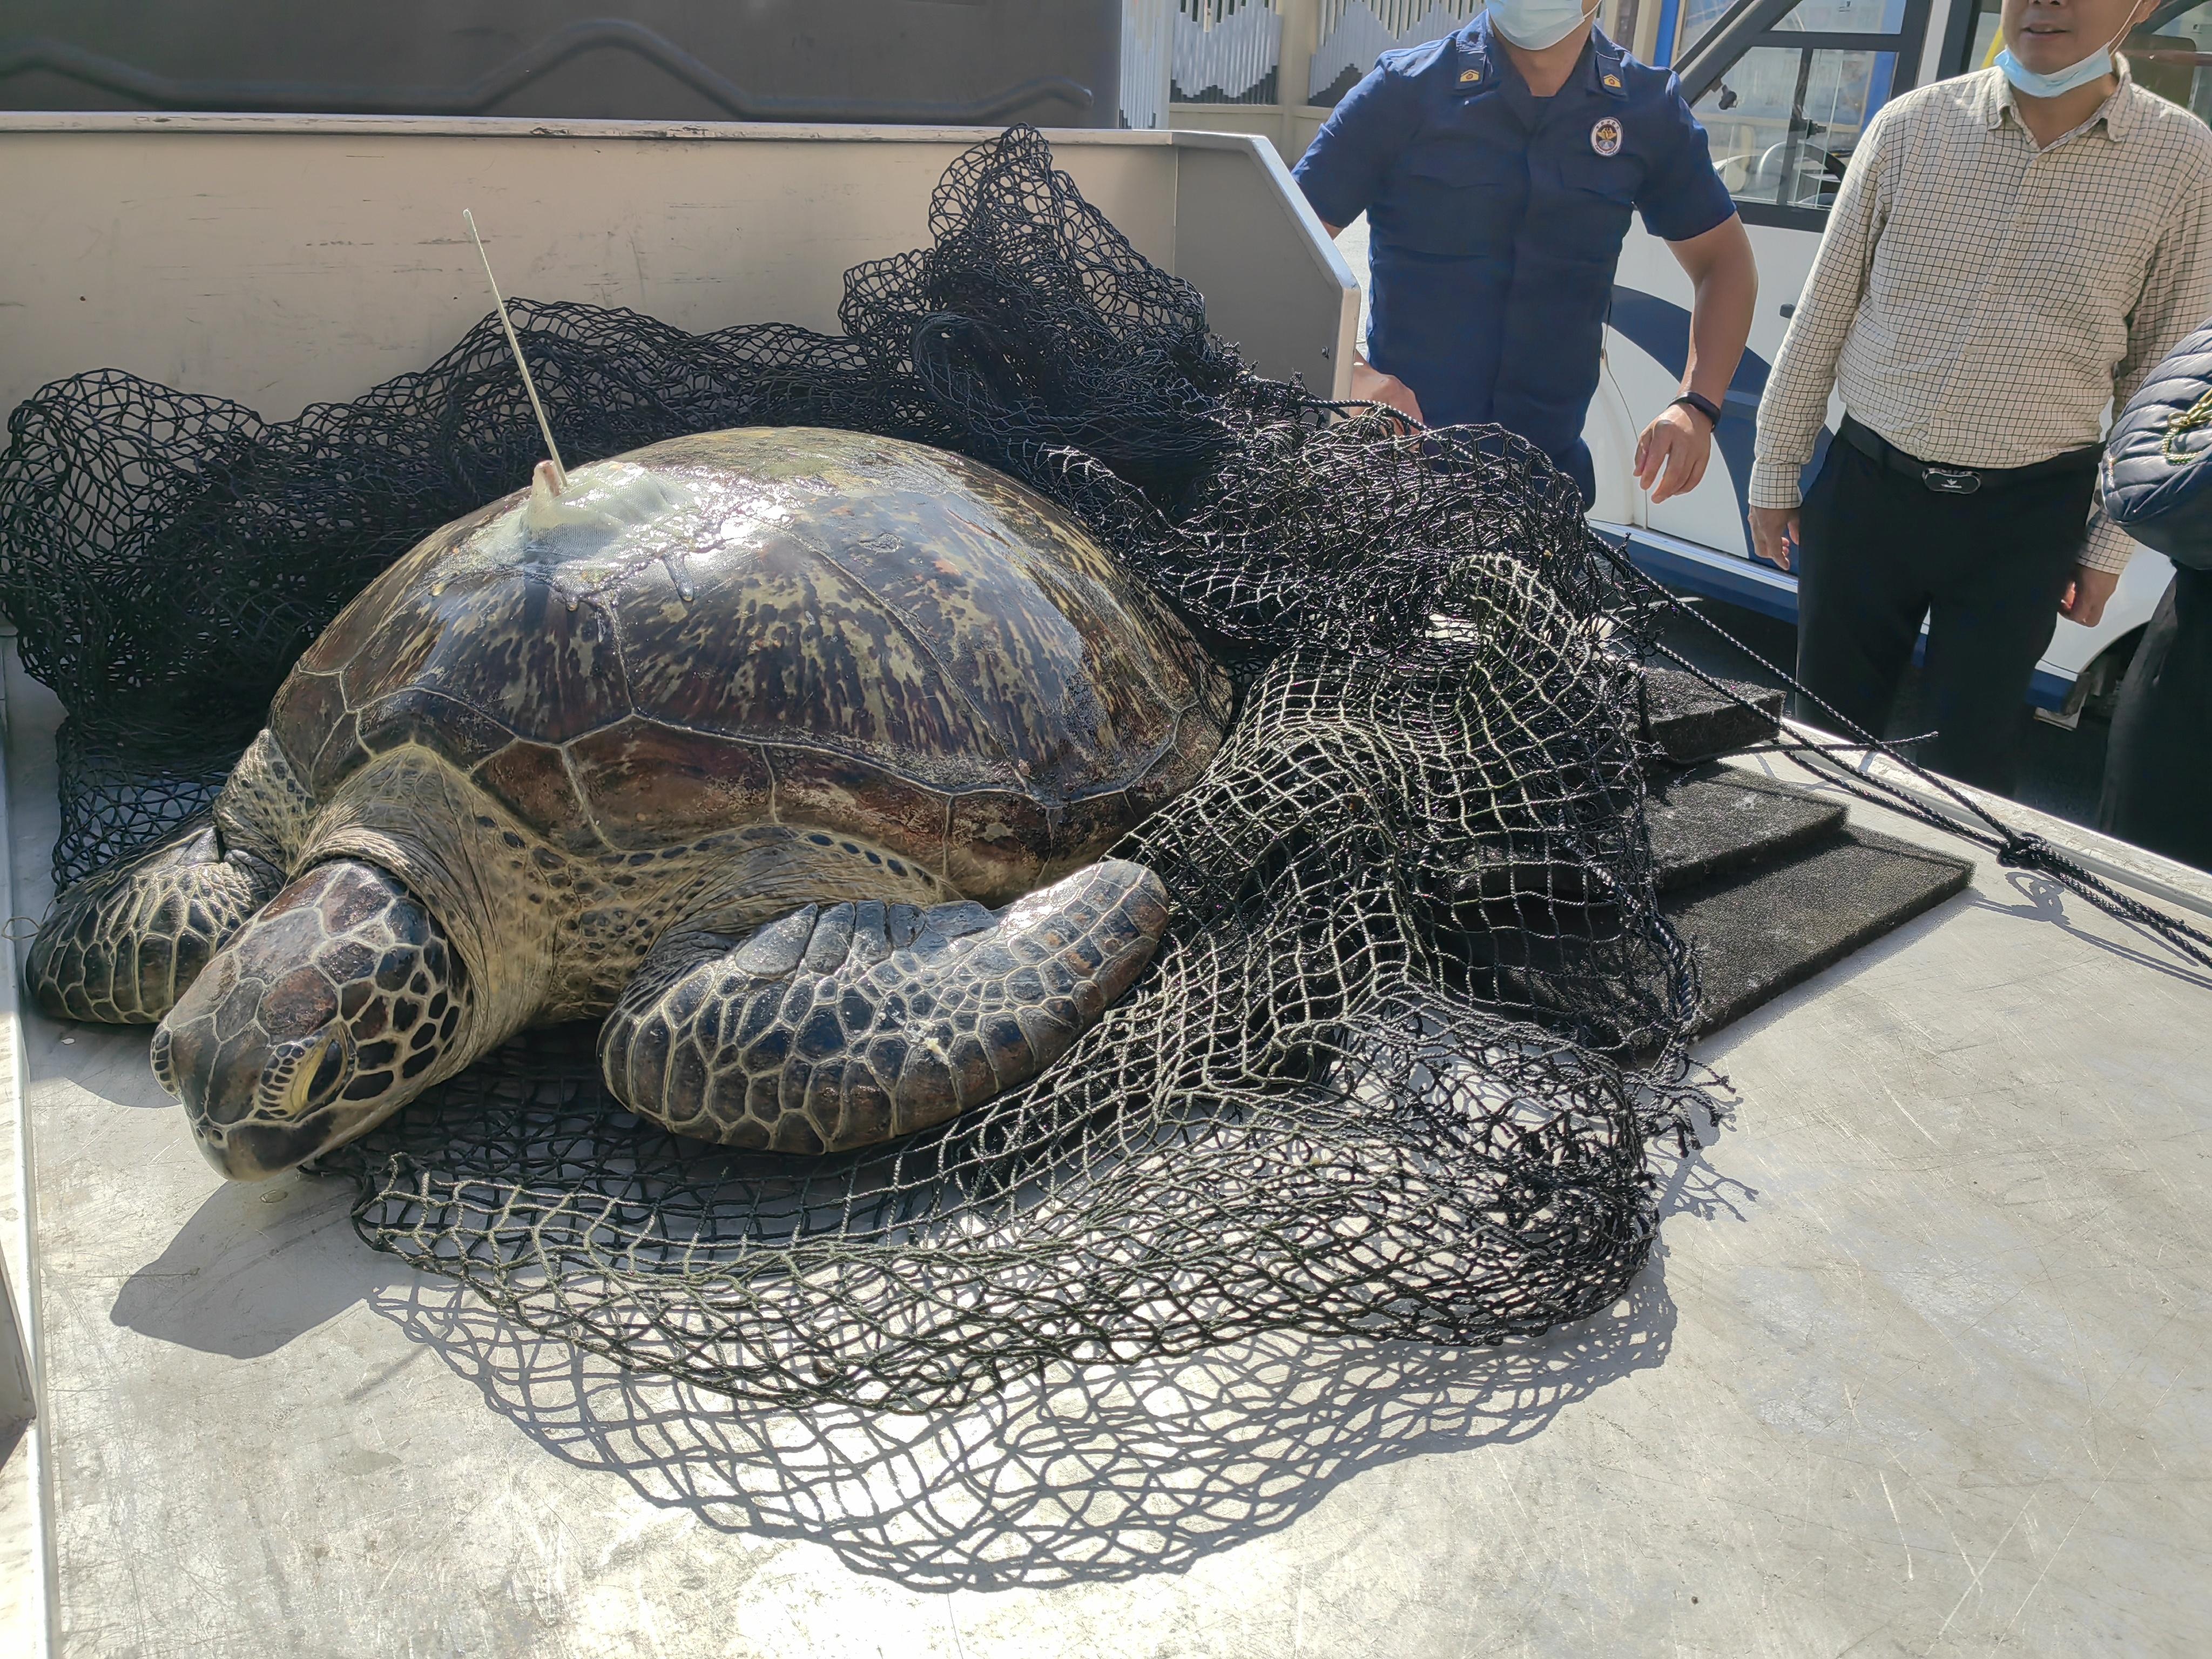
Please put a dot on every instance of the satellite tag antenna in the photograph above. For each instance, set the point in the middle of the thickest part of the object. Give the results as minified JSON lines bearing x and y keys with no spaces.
{"x":544,"y":426}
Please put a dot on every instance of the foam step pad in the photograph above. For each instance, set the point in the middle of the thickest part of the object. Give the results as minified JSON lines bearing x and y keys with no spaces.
{"x":1690,"y":721}
{"x":1714,"y":820}
{"x":1759,"y":931}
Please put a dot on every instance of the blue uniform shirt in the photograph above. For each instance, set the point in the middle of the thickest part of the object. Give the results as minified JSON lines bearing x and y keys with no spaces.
{"x":1495,"y":220}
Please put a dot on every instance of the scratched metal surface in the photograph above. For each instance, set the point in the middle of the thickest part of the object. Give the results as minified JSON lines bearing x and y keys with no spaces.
{"x":1921,"y":1369}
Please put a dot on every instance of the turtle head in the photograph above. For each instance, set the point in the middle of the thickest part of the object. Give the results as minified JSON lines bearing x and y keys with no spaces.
{"x":327,"y":1012}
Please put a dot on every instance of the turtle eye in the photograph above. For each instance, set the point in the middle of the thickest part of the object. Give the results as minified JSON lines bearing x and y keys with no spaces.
{"x":322,"y":1068}
{"x":329,"y":1070}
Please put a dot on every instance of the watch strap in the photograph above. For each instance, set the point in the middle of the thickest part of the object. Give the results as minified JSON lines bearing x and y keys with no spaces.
{"x":1704,"y":405}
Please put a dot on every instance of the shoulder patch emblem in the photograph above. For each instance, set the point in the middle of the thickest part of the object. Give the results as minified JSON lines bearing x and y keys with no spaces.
{"x":1468,"y":77}
{"x":1613,"y":81}
{"x":1605,"y":136}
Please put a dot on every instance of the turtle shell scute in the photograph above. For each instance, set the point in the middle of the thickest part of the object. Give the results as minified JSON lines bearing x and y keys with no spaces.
{"x":817,"y":626}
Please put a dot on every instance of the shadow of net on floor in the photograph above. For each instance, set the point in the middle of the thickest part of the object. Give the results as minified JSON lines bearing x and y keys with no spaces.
{"x":1083,"y":1474}
{"x":1090,"y":1475}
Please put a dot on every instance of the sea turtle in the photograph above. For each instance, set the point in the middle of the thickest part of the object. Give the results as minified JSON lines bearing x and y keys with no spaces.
{"x":731,"y":741}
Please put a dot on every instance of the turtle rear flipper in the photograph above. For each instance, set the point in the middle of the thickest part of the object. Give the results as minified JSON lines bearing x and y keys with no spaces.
{"x":845,"y":1025}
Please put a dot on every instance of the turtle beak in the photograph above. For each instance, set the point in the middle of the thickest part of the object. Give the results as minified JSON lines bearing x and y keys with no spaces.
{"x":291,"y":1114}
{"x":255,"y":1151}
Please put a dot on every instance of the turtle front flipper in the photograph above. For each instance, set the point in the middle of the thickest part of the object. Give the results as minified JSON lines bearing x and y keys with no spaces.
{"x":846,"y":1025}
{"x":120,"y":947}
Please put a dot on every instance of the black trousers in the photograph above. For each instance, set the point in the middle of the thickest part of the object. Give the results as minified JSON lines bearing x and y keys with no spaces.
{"x":1880,"y":550}
{"x":2157,"y":769}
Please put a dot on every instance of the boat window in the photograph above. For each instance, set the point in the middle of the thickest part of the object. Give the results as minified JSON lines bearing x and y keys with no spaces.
{"x":1813,"y":16}
{"x":1699,"y":17}
{"x":1784,"y":123}
{"x":1982,"y":47}
{"x":1844,"y":17}
{"x":1785,"y":115}
{"x":2173,"y":56}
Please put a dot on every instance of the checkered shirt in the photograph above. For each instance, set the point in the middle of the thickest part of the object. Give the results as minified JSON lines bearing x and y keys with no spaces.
{"x":1980,"y":302}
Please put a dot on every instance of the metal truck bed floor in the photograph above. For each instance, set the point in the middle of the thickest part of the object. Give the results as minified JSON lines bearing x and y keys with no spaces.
{"x":1920,"y":1368}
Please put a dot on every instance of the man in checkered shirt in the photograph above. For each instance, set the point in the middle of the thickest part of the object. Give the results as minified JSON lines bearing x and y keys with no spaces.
{"x":2010,"y":253}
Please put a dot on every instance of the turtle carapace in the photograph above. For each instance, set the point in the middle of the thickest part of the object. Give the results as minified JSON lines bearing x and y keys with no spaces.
{"x":791,"y":755}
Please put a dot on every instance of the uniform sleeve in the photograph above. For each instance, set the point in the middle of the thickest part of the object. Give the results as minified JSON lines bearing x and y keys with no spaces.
{"x":2176,"y":298}
{"x":1796,"y":401}
{"x":1683,"y":197}
{"x":1344,"y":167}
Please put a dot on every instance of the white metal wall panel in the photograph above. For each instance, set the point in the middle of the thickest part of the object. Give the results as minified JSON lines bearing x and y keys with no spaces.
{"x":282,"y":260}
{"x":279,"y":260}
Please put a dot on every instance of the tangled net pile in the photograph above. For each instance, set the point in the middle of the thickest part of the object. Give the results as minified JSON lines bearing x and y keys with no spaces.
{"x":1418,"y":1016}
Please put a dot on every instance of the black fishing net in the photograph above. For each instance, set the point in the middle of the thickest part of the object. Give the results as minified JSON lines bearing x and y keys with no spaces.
{"x":1398,"y":1065}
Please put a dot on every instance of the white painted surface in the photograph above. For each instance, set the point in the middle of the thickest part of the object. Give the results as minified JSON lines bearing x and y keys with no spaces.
{"x":281,"y":260}
{"x":1920,"y":1368}
{"x":282,"y":263}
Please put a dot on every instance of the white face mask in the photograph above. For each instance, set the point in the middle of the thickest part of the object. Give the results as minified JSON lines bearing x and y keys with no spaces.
{"x":1533,"y":25}
{"x":2094,"y":67}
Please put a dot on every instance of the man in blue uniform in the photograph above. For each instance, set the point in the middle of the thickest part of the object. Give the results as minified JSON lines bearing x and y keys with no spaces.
{"x":1497,"y":168}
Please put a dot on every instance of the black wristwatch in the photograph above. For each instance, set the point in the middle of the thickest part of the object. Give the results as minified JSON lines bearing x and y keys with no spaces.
{"x":1704,"y":405}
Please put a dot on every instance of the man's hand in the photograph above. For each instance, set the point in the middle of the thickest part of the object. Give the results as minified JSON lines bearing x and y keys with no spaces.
{"x":1673,"y":452}
{"x":1372,"y":385}
{"x":1774,"y":533}
{"x":2083,"y":602}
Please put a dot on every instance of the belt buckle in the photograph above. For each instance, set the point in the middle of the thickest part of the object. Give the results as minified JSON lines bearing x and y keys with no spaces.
{"x":1951,"y":480}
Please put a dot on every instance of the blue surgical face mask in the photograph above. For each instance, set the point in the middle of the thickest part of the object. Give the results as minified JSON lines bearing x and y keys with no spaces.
{"x":1533,"y":25}
{"x":2095,"y":66}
